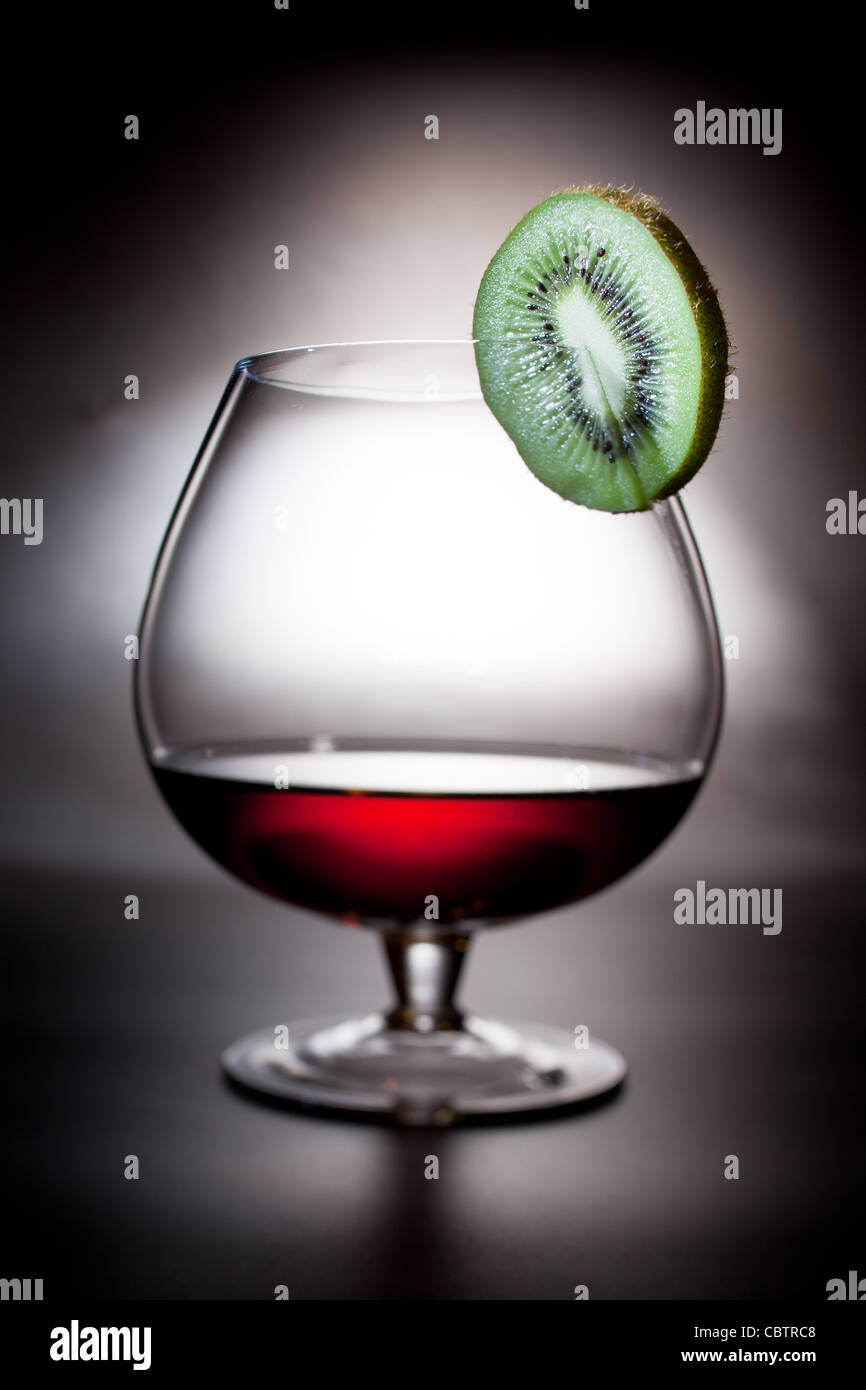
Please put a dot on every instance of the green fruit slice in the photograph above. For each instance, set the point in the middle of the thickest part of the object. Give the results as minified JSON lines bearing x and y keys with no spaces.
{"x":602,"y":349}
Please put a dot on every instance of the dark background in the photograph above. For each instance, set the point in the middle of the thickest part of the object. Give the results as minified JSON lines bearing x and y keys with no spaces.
{"x":156,"y":257}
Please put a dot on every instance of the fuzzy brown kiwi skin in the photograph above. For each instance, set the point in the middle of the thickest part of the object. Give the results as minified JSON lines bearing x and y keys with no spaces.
{"x":712,"y":330}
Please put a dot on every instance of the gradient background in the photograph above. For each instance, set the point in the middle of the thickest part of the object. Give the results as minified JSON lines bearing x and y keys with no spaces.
{"x":306,"y":127}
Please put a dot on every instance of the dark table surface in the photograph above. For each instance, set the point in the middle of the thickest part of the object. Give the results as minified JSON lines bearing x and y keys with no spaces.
{"x":738,"y":1043}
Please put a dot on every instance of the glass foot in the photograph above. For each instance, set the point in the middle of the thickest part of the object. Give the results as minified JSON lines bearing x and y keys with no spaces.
{"x":482,"y":1068}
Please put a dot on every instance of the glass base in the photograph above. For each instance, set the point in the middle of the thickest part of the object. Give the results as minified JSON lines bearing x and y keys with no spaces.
{"x":483,"y":1068}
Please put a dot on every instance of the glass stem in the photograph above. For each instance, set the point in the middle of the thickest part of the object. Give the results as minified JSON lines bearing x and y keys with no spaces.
{"x":425,"y":971}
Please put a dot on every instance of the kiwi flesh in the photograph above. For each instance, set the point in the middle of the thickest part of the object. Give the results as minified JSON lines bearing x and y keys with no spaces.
{"x":602,"y":349}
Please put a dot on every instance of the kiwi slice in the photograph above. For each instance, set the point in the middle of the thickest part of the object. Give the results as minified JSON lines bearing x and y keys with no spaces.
{"x":602,"y":349}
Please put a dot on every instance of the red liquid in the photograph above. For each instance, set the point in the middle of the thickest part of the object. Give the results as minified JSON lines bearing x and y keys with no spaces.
{"x":377,"y":856}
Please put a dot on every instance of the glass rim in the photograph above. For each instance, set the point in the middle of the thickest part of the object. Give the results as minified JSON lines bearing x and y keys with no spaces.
{"x":262,"y":369}
{"x":251,"y":359}
{"x":251,"y":366}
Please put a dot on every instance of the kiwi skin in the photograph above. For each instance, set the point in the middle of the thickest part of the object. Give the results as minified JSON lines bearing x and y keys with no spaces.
{"x":704,"y":301}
